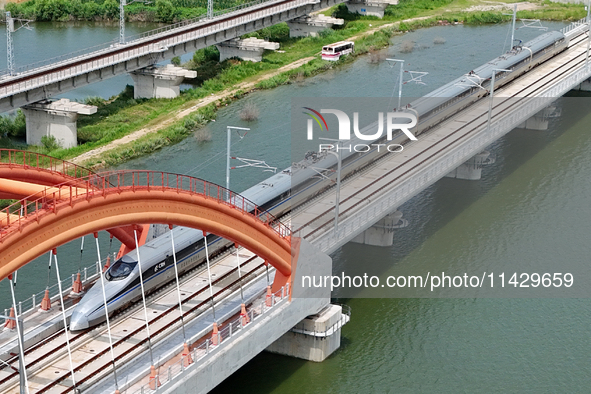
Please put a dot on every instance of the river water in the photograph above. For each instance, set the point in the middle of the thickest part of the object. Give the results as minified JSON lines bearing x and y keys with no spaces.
{"x":531,"y":208}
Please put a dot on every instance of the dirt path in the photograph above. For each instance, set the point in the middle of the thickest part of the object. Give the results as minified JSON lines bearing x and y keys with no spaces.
{"x":167,"y":120}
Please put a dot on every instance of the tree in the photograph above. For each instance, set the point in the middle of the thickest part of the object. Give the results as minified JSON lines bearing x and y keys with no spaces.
{"x":111,"y":9}
{"x":165,"y":11}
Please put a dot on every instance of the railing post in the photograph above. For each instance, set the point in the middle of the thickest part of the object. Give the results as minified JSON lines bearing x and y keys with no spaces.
{"x":33,"y":299}
{"x":230,"y":330}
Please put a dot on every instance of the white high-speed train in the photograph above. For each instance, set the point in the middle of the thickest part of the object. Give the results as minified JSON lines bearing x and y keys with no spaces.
{"x":297,"y":183}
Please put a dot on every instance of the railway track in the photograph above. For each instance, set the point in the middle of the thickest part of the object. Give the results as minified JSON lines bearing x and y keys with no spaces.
{"x":382,"y":182}
{"x":57,"y":340}
{"x":361,"y":196}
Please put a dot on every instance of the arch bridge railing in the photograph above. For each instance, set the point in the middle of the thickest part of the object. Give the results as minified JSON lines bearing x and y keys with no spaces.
{"x":32,"y":209}
{"x":20,"y":158}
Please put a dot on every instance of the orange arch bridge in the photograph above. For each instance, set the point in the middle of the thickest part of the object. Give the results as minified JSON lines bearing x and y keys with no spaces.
{"x":26,"y":174}
{"x":97,"y":202}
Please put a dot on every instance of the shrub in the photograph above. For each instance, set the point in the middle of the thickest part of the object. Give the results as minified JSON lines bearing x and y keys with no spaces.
{"x":13,"y":126}
{"x":407,"y":46}
{"x":49,"y":143}
{"x":249,"y":112}
{"x":176,"y":61}
{"x":202,"y":135}
{"x":165,"y":11}
{"x":51,"y":10}
{"x":110,"y":9}
{"x":207,"y":54}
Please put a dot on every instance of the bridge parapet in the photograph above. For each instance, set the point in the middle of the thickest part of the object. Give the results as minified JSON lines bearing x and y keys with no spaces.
{"x":411,"y":177}
{"x":44,"y":81}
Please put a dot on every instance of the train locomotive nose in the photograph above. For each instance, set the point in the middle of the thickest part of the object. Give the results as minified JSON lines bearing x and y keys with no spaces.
{"x":78,"y":321}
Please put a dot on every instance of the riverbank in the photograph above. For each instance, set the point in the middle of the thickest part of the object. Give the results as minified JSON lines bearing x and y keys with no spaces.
{"x":125,"y":128}
{"x":164,"y":11}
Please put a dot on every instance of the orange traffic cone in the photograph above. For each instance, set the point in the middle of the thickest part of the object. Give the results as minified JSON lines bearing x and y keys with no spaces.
{"x":46,"y":302}
{"x":10,"y":323}
{"x":153,"y":379}
{"x":243,"y":315}
{"x":186,"y":355}
{"x":269,"y":297}
{"x":77,"y":286}
{"x":107,"y":264}
{"x":215,"y":337}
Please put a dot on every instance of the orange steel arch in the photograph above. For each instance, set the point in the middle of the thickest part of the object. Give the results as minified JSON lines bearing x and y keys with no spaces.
{"x":126,"y":197}
{"x":26,"y":174}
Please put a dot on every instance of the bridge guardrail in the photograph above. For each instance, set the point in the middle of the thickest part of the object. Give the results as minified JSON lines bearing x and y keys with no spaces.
{"x":574,"y":26}
{"x":230,"y":330}
{"x":20,"y":158}
{"x":32,"y":304}
{"x":381,"y":205}
{"x":104,"y":47}
{"x":142,"y":50}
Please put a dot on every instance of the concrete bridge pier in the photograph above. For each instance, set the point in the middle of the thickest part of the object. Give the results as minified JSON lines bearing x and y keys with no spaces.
{"x":585,"y":86}
{"x":249,"y":49}
{"x":159,"y":82}
{"x":261,"y":333}
{"x":54,"y":118}
{"x":472,"y":169}
{"x":540,"y":120}
{"x":314,"y":338}
{"x":369,"y":7}
{"x":382,"y":233}
{"x":310,"y":25}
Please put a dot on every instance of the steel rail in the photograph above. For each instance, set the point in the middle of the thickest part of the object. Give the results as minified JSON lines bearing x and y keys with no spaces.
{"x":127,"y":310}
{"x":137,"y":45}
{"x":379,"y":179}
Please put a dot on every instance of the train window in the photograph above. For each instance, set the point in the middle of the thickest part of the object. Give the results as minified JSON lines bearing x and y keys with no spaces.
{"x":120,"y":270}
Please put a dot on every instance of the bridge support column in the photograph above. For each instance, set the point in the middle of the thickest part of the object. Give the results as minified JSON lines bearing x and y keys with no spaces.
{"x":314,"y":338}
{"x":382,"y":233}
{"x":540,"y":120}
{"x":249,"y":49}
{"x":310,"y":25}
{"x":585,"y":86}
{"x":369,"y":7}
{"x":159,"y":82}
{"x":54,"y":118}
{"x":472,"y":169}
